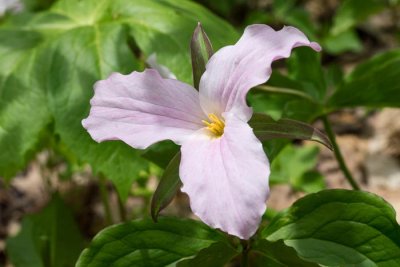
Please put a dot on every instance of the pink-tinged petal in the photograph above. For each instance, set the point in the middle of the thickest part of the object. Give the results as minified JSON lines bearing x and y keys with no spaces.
{"x":226,"y":178}
{"x":234,"y":70}
{"x":143,"y":108}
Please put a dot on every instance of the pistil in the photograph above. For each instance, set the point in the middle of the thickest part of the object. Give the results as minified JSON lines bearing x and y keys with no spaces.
{"x":215,"y":125}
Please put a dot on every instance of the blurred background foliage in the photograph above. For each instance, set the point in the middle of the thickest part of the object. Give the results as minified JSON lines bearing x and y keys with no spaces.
{"x":52,"y":52}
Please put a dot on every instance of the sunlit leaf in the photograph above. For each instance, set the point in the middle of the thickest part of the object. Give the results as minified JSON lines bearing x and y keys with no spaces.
{"x":273,"y":147}
{"x":23,"y":108}
{"x":342,"y":42}
{"x":296,"y":166}
{"x":50,"y":67}
{"x":76,"y":59}
{"x":165,"y":27}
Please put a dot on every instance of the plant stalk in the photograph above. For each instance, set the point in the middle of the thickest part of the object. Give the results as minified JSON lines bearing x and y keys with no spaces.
{"x":338,"y":153}
{"x":244,"y":259}
{"x":122,"y":209}
{"x":287,"y":91}
{"x":105,"y":199}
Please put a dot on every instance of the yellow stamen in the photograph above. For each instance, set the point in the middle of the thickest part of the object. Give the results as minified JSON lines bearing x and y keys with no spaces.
{"x":216,"y":126}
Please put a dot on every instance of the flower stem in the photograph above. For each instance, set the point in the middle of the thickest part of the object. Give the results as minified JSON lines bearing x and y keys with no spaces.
{"x":245,"y":251}
{"x":122,"y":209}
{"x":338,"y":153}
{"x":105,"y":199}
{"x":281,"y":90}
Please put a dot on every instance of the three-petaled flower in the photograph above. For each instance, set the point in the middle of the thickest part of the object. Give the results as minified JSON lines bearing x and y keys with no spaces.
{"x":223,"y":168}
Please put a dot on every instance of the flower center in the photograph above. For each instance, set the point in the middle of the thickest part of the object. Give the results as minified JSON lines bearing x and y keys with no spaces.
{"x":215,"y":125}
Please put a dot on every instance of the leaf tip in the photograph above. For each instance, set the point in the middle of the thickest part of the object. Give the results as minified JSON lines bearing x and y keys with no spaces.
{"x":154,"y":211}
{"x":321,"y":137}
{"x":201,"y":51}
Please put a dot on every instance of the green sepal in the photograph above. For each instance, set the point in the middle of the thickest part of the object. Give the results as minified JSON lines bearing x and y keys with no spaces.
{"x":266,"y":128}
{"x":201,"y":50}
{"x":167,"y":188}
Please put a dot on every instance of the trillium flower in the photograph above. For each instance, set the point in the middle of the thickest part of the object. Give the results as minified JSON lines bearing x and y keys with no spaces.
{"x":223,"y":167}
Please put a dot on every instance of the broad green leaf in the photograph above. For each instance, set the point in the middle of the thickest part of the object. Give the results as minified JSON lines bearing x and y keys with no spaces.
{"x":301,"y":19}
{"x":352,"y":12}
{"x":278,"y":254}
{"x":266,"y":128}
{"x":273,"y":147}
{"x":223,"y":8}
{"x":340,"y":228}
{"x":216,"y":255}
{"x":201,"y":50}
{"x":161,"y":153}
{"x":79,"y":43}
{"x":374,"y":83}
{"x":283,"y":96}
{"x":334,"y":76}
{"x":23,"y":108}
{"x":76,"y":59}
{"x":165,"y":27}
{"x":270,"y":104}
{"x":167,"y":188}
{"x":49,"y":238}
{"x":295,"y":165}
{"x":342,"y":42}
{"x":273,"y":97}
{"x":311,"y":181}
{"x":309,"y":75}
{"x":303,"y":110}
{"x":289,"y":13}
{"x":145,"y":243}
